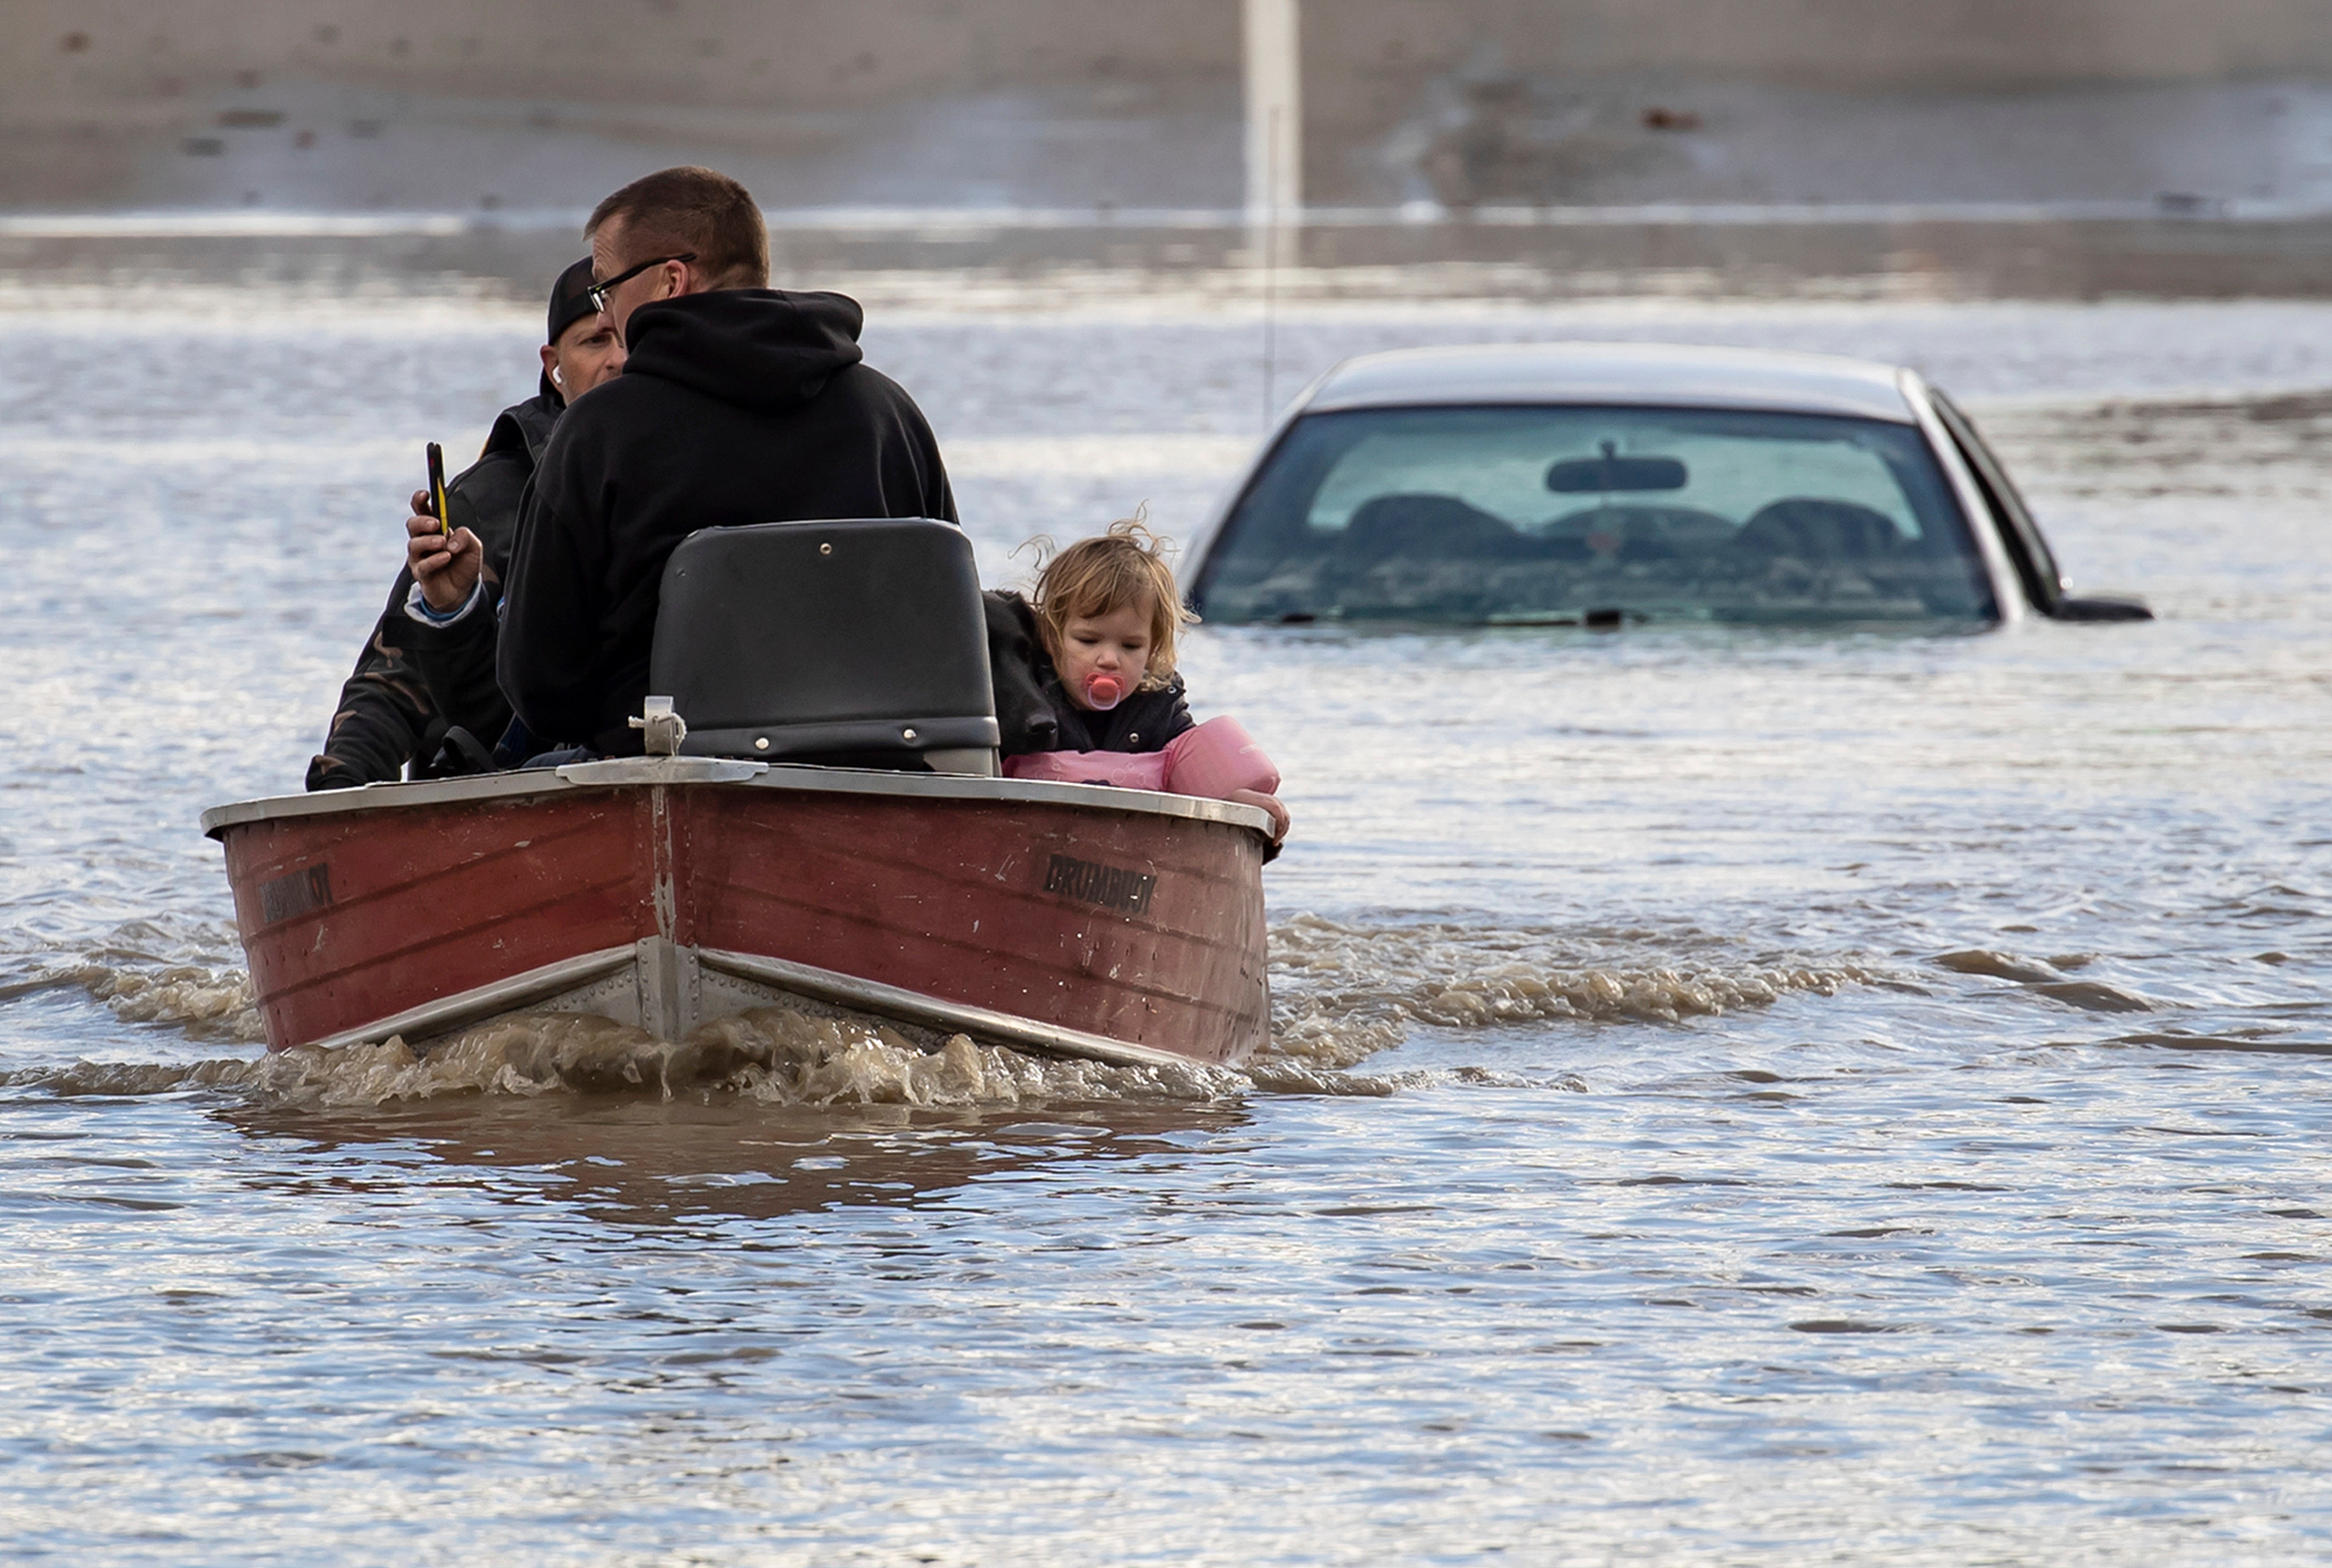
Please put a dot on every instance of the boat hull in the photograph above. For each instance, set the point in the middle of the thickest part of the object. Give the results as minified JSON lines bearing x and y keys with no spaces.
{"x":669,"y":891}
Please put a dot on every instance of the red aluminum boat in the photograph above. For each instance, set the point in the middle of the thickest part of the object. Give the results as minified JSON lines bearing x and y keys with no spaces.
{"x":666,"y":891}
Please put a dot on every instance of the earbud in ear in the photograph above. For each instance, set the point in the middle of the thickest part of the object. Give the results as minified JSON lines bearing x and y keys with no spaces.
{"x":557,"y":375}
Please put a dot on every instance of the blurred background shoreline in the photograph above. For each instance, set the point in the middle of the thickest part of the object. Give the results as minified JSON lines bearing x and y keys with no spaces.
{"x":1040,"y":149}
{"x":996,"y":263}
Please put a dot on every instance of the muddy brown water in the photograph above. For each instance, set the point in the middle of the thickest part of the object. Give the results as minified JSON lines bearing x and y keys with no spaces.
{"x":1735,"y":1096}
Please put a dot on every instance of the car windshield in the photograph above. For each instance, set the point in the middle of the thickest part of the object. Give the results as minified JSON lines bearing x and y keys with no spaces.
{"x":1548,"y":515}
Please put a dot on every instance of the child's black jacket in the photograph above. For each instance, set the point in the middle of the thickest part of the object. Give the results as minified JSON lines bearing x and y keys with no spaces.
{"x":1145,"y":722}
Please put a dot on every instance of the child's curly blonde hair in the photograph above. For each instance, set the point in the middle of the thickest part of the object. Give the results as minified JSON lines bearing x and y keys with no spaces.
{"x":1100,"y":575}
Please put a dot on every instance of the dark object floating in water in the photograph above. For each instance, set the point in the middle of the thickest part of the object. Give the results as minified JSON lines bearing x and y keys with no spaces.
{"x":2095,"y":997}
{"x":2189,"y":205}
{"x":2170,"y":1040}
{"x":1998,"y":965}
{"x":2091,"y":996}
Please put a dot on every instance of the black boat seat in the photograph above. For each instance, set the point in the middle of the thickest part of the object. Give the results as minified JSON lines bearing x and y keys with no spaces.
{"x":855,"y":643}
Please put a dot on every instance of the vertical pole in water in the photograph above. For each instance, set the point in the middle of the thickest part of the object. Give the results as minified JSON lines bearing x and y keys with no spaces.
{"x":1275,"y":163}
{"x":1275,"y":151}
{"x":1271,"y":298}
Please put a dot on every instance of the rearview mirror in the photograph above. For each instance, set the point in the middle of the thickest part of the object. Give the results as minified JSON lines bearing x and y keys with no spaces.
{"x":1601,"y":475}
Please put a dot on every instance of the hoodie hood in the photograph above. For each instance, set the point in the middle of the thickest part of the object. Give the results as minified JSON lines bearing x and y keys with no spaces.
{"x":766,"y":349}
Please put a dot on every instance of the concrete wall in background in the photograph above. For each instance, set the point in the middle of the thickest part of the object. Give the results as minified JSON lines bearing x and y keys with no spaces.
{"x":98,"y":55}
{"x":1379,"y":49}
{"x":90,"y":89}
{"x":1546,"y":90}
{"x":459,"y":103}
{"x":2197,"y":148}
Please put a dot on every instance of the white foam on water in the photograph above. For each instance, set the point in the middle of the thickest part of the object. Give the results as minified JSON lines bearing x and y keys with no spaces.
{"x":1342,"y":994}
{"x":207,"y":1003}
{"x":801,"y":1058}
{"x":773,"y":1055}
{"x":172,"y":972}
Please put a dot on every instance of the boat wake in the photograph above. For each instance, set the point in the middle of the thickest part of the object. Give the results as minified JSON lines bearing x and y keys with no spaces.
{"x":178,"y":973}
{"x":774,"y":1055}
{"x":1341,"y":993}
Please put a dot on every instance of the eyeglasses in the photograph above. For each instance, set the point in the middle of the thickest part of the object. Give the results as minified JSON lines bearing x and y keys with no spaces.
{"x":597,"y":292}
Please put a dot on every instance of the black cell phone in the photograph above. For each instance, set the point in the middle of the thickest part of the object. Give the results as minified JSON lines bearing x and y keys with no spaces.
{"x":437,"y":488}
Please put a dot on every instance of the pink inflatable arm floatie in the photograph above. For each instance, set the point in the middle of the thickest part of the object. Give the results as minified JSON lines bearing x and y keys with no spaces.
{"x":1212,"y":759}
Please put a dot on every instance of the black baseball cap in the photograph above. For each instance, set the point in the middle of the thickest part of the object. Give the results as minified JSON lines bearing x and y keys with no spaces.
{"x":570,"y":302}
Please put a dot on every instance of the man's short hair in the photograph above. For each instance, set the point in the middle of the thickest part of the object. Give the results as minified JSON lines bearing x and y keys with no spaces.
{"x":674,"y":211}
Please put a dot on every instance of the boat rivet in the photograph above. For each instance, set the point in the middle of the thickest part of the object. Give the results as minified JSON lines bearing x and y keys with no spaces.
{"x":760,"y":742}
{"x":906,"y":735}
{"x":826,"y":550}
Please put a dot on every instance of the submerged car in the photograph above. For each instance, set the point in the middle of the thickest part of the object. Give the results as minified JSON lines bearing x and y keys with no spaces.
{"x":1593,"y":485}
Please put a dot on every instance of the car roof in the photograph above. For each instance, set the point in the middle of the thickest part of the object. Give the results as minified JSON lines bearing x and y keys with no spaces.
{"x":1666,"y":375}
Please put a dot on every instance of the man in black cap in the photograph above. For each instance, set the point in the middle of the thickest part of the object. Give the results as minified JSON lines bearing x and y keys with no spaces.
{"x":739,"y":404}
{"x":413,"y":682}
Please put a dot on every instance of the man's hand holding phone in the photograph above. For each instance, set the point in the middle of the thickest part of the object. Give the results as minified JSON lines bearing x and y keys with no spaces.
{"x":445,"y":564}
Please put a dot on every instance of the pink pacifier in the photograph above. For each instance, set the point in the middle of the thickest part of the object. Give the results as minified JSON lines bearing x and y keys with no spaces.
{"x":1103,"y":692}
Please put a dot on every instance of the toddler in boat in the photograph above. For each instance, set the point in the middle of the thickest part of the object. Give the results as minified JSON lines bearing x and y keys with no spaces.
{"x":1107,"y":609}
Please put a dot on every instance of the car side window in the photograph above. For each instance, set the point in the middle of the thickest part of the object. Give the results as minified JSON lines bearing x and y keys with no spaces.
{"x":2036,"y":568}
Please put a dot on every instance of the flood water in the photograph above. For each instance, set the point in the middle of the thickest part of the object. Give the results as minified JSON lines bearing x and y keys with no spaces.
{"x":1770,"y":1096}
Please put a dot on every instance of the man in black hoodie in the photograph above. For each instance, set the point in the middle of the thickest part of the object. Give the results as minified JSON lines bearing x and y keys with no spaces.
{"x":739,"y":404}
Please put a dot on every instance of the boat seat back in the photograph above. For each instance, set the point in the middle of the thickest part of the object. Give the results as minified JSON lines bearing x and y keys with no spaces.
{"x":858,"y":641}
